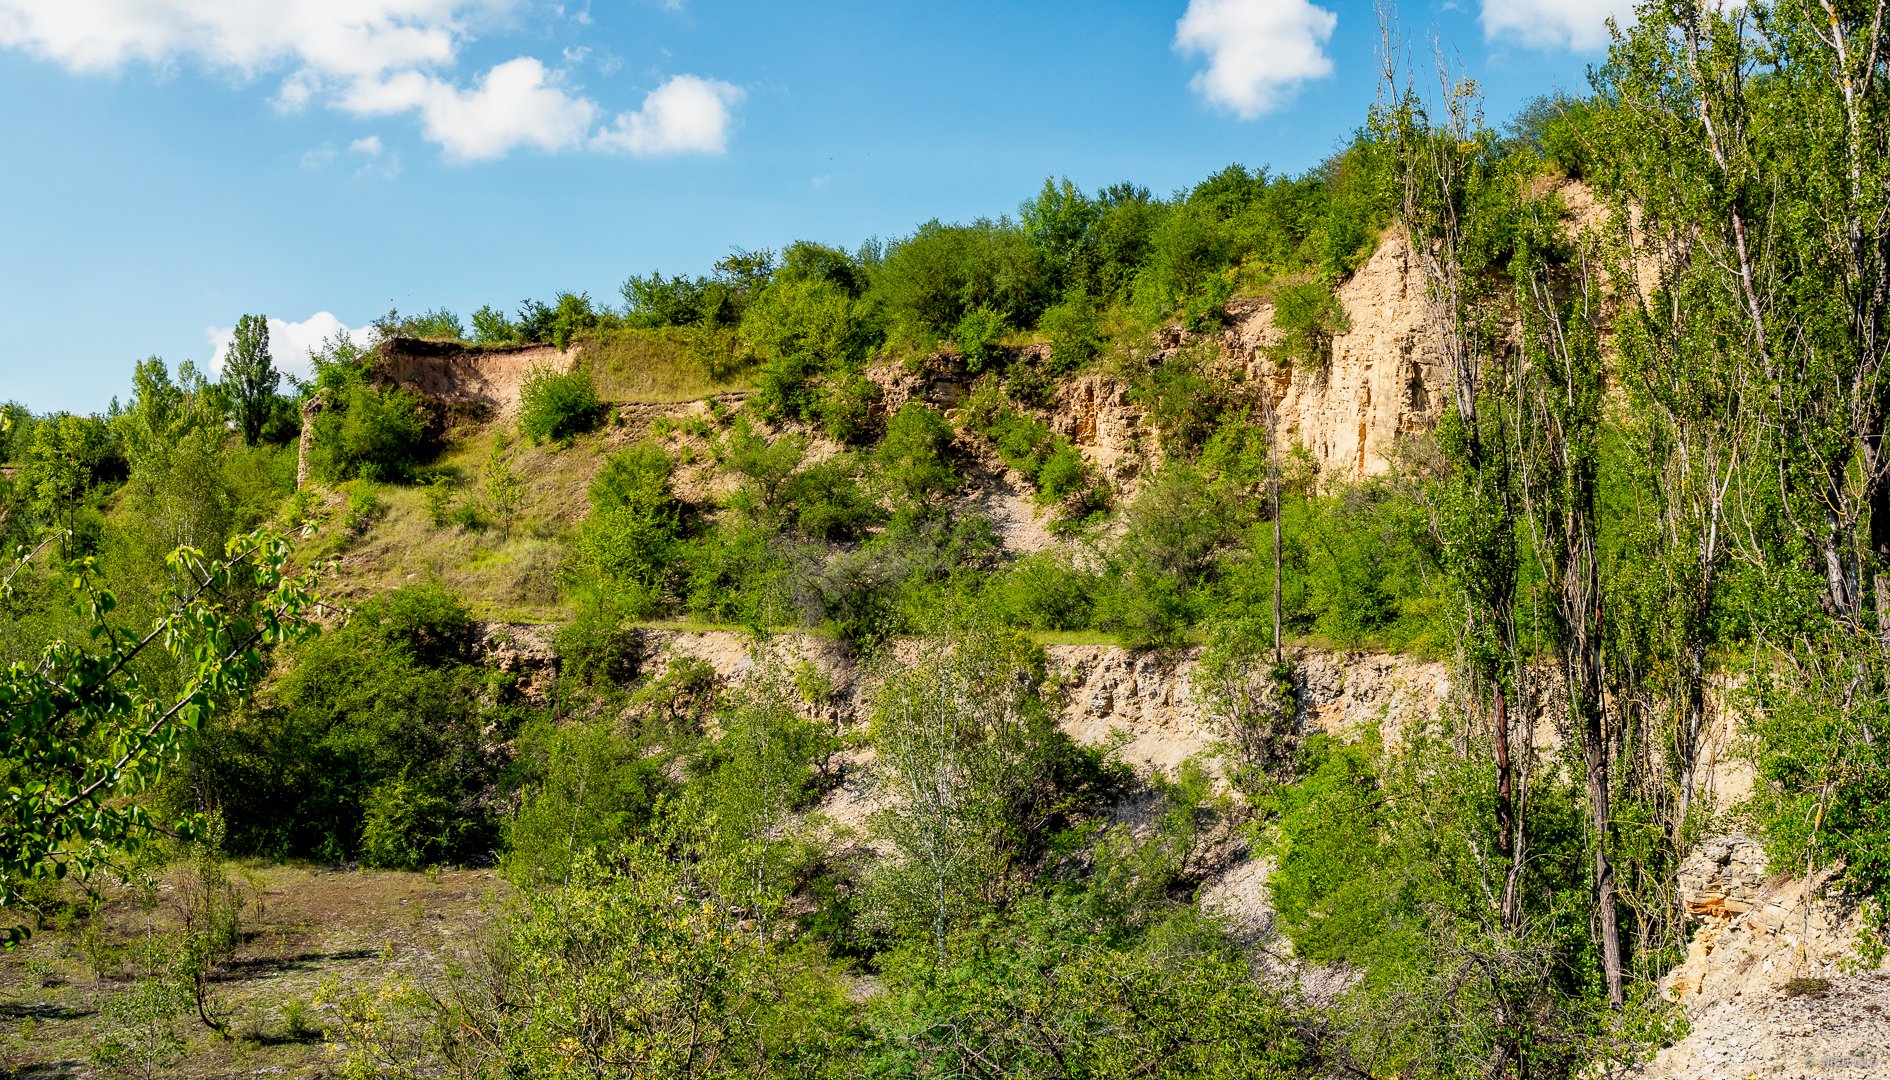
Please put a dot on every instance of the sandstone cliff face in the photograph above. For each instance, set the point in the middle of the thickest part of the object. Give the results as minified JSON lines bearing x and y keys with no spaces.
{"x":481,"y":382}
{"x":1109,"y":692}
{"x":1385,"y":377}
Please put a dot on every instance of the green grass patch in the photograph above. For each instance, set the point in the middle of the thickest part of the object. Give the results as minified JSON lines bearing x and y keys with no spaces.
{"x":651,"y":366}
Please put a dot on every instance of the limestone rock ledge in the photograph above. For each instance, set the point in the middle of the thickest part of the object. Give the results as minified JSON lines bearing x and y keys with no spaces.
{"x":1772,"y":984}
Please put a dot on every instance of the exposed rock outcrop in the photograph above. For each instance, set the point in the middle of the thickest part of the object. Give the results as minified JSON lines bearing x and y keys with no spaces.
{"x":475,"y":381}
{"x":1772,"y":983}
{"x":306,"y":441}
{"x":1149,"y":698}
{"x":1110,"y":692}
{"x":1384,"y":377}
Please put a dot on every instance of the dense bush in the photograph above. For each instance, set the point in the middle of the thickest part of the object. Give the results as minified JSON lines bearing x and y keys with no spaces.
{"x":1308,"y":316}
{"x":557,"y":406}
{"x":559,"y":322}
{"x":363,"y":430}
{"x":373,"y":745}
{"x":847,"y":406}
{"x":913,"y":459}
{"x":942,"y":273}
{"x":630,"y":541}
{"x":438,"y":324}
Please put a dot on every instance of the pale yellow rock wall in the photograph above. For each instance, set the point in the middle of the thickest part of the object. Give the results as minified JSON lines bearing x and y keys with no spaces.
{"x":1385,"y":377}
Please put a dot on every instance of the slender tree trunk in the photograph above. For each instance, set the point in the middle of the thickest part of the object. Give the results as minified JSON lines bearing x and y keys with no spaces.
{"x":1595,"y":757}
{"x":1506,"y":834}
{"x":1273,"y":495}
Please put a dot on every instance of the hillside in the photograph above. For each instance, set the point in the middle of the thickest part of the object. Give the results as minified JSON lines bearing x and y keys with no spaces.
{"x":1425,"y":617}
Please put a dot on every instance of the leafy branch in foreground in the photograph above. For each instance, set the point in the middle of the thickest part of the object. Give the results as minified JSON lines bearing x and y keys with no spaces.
{"x":80,"y":732}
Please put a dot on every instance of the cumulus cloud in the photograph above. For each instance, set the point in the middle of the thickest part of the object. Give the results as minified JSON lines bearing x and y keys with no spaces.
{"x":1581,"y":25}
{"x":1258,"y":51}
{"x":320,"y":37}
{"x":686,"y":115}
{"x":290,"y":343}
{"x":371,"y":58}
{"x":514,"y":104}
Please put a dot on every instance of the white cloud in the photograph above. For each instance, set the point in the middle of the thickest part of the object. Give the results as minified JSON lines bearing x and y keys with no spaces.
{"x":686,"y":115}
{"x":370,"y":58}
{"x":1580,"y":25}
{"x":329,"y":37}
{"x":289,"y":342}
{"x":316,"y":158}
{"x":1258,"y":51}
{"x":378,"y":161}
{"x":514,"y":104}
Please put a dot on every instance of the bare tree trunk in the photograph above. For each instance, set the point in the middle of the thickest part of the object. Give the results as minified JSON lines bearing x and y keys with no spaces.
{"x":1507,"y":836}
{"x":1273,"y":495}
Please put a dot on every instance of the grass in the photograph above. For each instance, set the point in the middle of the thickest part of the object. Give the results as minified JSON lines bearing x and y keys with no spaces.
{"x":509,"y":575}
{"x":1074,"y":637}
{"x":306,"y":934}
{"x":650,"y":366}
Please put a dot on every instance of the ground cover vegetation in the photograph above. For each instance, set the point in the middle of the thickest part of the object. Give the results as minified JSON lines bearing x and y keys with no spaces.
{"x":1658,"y":475}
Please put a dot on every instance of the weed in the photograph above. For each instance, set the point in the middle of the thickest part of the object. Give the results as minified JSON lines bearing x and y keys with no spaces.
{"x":42,"y":971}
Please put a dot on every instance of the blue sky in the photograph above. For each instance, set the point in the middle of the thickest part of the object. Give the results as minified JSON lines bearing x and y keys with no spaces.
{"x":176,"y":163}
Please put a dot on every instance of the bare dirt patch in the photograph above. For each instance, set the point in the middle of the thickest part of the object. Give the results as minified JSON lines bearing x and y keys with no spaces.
{"x":305,"y":931}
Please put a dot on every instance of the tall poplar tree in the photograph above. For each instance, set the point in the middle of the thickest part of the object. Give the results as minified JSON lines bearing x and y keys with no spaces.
{"x":250,"y":377}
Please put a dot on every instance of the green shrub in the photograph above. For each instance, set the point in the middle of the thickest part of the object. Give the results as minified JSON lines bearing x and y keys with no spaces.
{"x":912,"y":458}
{"x":845,"y":406}
{"x":438,"y":324}
{"x":664,"y":963}
{"x":440,"y":501}
{"x":762,"y":464}
{"x":366,"y":431}
{"x":739,"y":575}
{"x":598,"y":647}
{"x":636,"y":476}
{"x":1308,"y":316}
{"x":631,"y":540}
{"x":978,"y":336}
{"x":1180,"y":1001}
{"x":364,"y":505}
{"x":490,"y":326}
{"x":557,"y":406}
{"x":560,"y":322}
{"x":1072,"y":329}
{"x":1183,"y":401}
{"x":1044,"y":591}
{"x":1063,"y":474}
{"x":590,"y":790}
{"x":631,"y":550}
{"x":1166,"y":561}
{"x":828,"y":501}
{"x":972,"y":718}
{"x":386,"y":716}
{"x":407,"y":826}
{"x":941,"y":273}
{"x":807,"y":317}
{"x":784,"y":387}
{"x":654,"y":301}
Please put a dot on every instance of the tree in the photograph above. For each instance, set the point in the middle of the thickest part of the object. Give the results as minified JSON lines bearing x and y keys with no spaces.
{"x":975,"y":772}
{"x":65,"y":460}
{"x":250,"y":376}
{"x":1561,"y":390}
{"x":80,"y":735}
